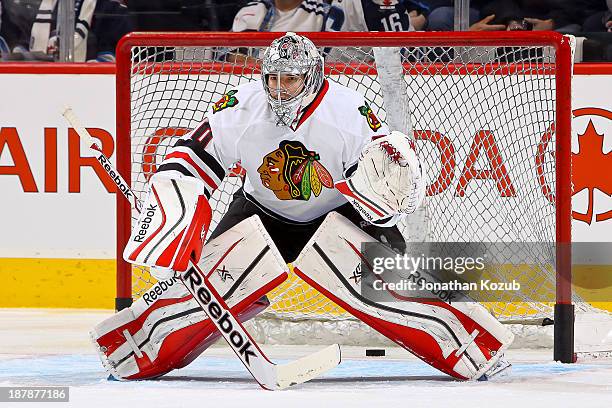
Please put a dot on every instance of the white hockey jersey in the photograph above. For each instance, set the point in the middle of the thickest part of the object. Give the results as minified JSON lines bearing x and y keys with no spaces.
{"x":290,"y":171}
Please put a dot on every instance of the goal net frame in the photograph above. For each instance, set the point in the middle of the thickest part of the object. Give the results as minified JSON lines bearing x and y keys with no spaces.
{"x":562,"y":71}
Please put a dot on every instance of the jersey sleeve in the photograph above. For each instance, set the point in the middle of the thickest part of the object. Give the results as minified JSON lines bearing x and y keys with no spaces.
{"x":203,"y":155}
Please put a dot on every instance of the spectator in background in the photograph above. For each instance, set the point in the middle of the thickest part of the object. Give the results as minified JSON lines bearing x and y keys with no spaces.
{"x":442,"y":17}
{"x":44,"y":33}
{"x":282,"y":15}
{"x":111,"y":21}
{"x":495,"y":15}
{"x":380,"y":15}
{"x":598,"y":20}
{"x":17,"y":18}
{"x":184,"y":15}
{"x":4,"y":49}
{"x":216,"y":15}
{"x":537,"y":15}
{"x":98,"y":26}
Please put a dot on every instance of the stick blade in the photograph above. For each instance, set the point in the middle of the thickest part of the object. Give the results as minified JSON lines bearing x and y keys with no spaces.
{"x":308,"y":367}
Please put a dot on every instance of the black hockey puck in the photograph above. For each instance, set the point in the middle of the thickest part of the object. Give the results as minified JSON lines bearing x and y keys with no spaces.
{"x":375,"y":352}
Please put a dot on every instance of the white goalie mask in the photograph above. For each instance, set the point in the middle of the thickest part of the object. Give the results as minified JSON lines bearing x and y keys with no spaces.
{"x":296,"y":55}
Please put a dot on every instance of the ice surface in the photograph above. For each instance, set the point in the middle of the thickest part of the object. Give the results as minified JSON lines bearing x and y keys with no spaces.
{"x":50,"y":347}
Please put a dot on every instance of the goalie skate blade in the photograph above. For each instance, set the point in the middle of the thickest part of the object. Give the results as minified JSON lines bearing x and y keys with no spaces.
{"x":499,"y":370}
{"x":308,"y":367}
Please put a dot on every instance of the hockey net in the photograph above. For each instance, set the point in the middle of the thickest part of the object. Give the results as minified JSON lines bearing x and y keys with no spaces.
{"x":486,"y":112}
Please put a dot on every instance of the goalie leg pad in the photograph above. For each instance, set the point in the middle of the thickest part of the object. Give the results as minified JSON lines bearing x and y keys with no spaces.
{"x":462,"y":339}
{"x":166,"y":329}
{"x":164,"y":349}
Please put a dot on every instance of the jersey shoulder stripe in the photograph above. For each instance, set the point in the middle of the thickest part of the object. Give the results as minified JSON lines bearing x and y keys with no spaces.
{"x":210,"y":162}
{"x":202,"y":170}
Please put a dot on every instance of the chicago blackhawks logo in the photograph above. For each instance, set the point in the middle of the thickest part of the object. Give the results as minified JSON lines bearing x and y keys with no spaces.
{"x":293,"y":172}
{"x":373,"y":121}
{"x":288,"y":48}
{"x":591,"y":166}
{"x":227,"y":101}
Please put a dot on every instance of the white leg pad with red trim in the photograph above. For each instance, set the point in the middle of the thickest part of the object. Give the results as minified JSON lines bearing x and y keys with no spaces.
{"x":166,"y":328}
{"x":462,"y":339}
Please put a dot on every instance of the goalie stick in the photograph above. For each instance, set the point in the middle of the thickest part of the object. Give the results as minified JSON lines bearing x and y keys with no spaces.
{"x":269,"y":375}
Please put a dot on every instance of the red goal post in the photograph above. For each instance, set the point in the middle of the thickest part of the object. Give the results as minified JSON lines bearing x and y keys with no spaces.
{"x":560,"y":69}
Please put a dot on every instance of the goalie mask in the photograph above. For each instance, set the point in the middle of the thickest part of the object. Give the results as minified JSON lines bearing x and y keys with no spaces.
{"x":297,"y":60}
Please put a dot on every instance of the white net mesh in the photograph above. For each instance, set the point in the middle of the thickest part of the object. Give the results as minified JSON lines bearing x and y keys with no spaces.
{"x":483,"y":119}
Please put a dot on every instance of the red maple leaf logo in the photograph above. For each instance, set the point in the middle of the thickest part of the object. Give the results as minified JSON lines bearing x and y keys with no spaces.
{"x":591,"y":170}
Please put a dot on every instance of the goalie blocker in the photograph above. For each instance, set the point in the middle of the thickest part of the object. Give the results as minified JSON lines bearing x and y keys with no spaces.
{"x":172,"y":225}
